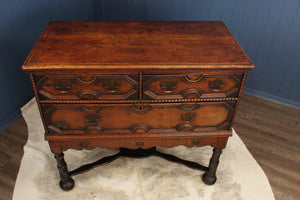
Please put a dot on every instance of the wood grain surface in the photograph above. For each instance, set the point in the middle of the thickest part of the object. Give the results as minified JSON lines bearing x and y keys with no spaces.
{"x":95,"y":87}
{"x":186,"y":87}
{"x":138,"y":45}
{"x":112,"y":120}
{"x":269,"y":130}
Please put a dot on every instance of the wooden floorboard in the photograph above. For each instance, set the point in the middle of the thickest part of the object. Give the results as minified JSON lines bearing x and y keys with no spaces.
{"x":271,"y":132}
{"x":12,"y":140}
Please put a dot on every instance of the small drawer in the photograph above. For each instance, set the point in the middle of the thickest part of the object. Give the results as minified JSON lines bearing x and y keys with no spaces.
{"x":87,"y":87}
{"x":193,"y":86}
{"x":137,"y":119}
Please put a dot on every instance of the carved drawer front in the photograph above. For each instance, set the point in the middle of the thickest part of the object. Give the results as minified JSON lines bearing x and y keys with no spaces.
{"x":137,"y":119}
{"x":87,"y":87}
{"x":191,"y":86}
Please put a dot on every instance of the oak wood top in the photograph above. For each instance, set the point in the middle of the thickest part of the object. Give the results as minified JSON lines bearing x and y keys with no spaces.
{"x":104,"y":46}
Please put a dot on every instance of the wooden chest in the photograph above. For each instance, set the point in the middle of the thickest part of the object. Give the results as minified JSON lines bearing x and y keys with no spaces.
{"x":137,"y":85}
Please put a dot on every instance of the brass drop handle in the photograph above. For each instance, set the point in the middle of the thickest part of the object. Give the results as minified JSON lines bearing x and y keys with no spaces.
{"x":92,"y":119}
{"x":139,"y":144}
{"x":111,"y":86}
{"x":216,"y":85}
{"x":188,"y":117}
{"x":62,"y":86}
{"x":62,"y":125}
{"x":168,"y":86}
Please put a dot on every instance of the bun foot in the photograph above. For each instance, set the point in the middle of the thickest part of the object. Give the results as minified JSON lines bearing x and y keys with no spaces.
{"x":66,"y":186}
{"x":208,"y":179}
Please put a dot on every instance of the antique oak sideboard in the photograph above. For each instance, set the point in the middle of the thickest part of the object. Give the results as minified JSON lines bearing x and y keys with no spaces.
{"x":135,"y":86}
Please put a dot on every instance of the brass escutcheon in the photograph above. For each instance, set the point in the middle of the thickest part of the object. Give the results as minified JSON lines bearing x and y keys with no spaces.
{"x":168,"y":86}
{"x":188,"y":117}
{"x":139,"y":144}
{"x":216,"y":85}
{"x":62,"y":86}
{"x":140,"y":108}
{"x":111,"y":86}
{"x":92,"y":119}
{"x":82,"y":145}
{"x":62,"y":125}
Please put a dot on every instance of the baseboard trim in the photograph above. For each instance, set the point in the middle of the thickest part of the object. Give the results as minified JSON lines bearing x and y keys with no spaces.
{"x":273,"y":98}
{"x":10,"y":119}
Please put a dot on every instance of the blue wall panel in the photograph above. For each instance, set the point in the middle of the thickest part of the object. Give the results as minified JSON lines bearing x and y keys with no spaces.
{"x":21,"y":23}
{"x":268,"y":30}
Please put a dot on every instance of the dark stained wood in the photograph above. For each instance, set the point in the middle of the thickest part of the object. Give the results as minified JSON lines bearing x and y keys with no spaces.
{"x":141,"y":102}
{"x":141,"y":45}
{"x":191,"y":86}
{"x":59,"y":144}
{"x":137,"y":153}
{"x":146,"y":51}
{"x":150,"y":29}
{"x":210,"y":177}
{"x":94,"y":61}
{"x":87,"y":87}
{"x":66,"y":183}
{"x":126,"y":119}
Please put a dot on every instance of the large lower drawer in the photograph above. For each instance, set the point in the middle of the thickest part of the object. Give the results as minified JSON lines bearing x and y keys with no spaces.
{"x":135,"y":119}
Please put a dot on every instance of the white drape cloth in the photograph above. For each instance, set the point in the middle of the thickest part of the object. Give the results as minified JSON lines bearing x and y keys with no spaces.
{"x":239,"y":175}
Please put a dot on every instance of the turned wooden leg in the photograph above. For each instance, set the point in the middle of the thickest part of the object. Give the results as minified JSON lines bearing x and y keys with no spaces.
{"x":210,"y":176}
{"x":66,"y":183}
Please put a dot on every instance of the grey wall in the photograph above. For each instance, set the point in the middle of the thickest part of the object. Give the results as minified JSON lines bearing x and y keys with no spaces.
{"x":268,"y":30}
